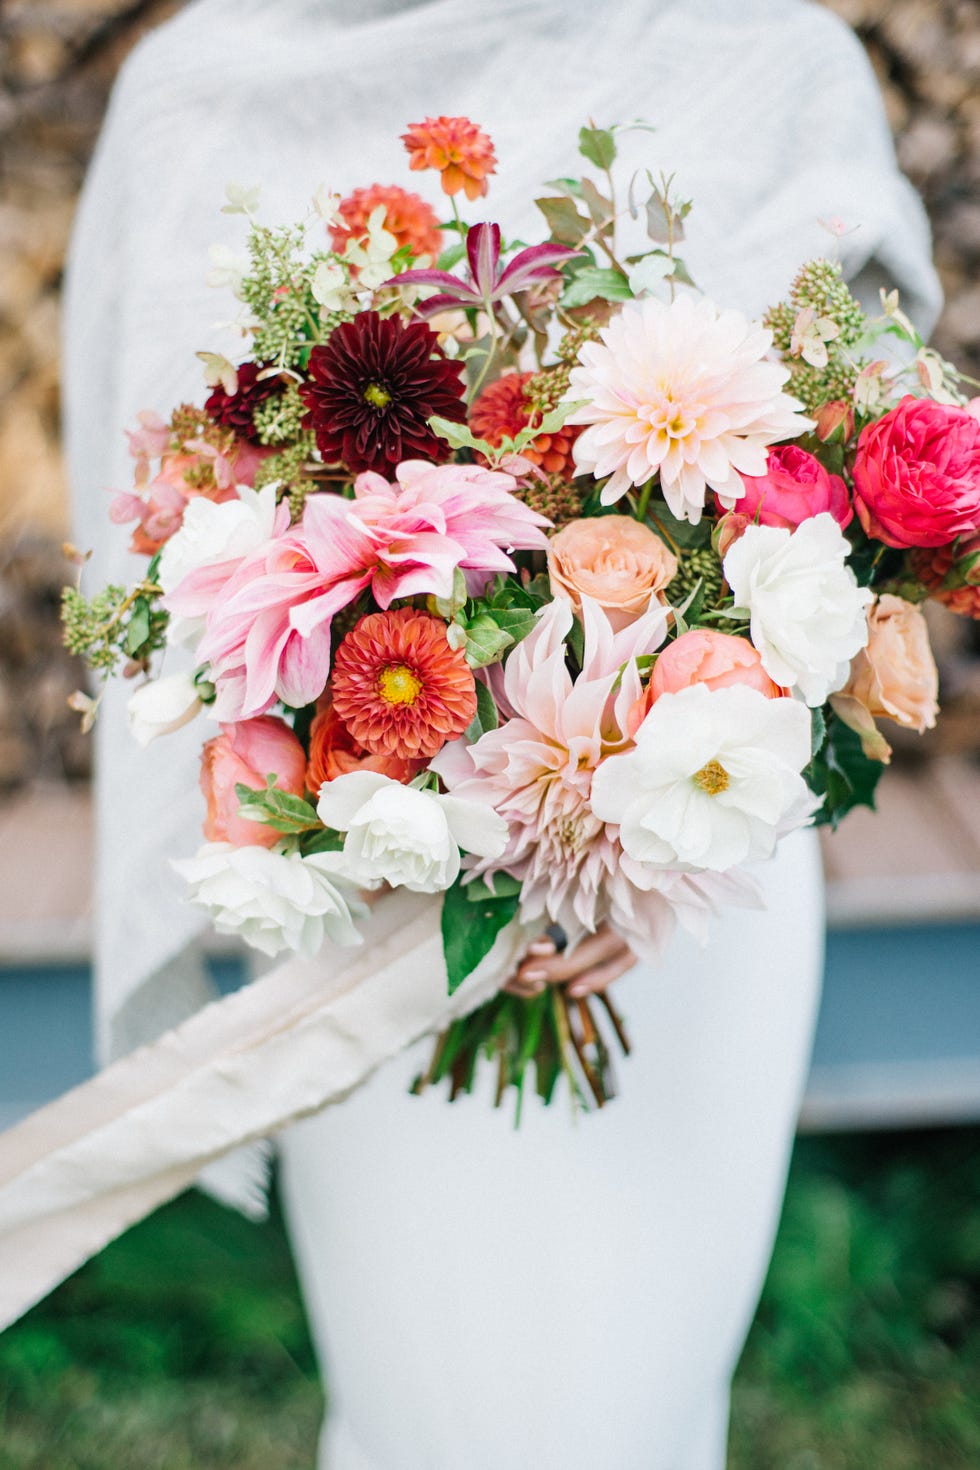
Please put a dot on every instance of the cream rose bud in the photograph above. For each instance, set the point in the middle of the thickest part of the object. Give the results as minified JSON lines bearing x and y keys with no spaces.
{"x":161,"y":706}
{"x":403,"y":836}
{"x":616,"y":561}
{"x":808,"y":616}
{"x":273,"y":900}
{"x":894,"y":678}
{"x":712,"y":781}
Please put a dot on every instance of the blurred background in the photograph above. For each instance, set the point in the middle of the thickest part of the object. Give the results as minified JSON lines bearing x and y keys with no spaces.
{"x":184,"y":1344}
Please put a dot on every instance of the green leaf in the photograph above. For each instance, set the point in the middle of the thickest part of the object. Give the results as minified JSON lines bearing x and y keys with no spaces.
{"x":459,"y":436}
{"x":451,"y":256}
{"x":138,"y":627}
{"x":565,"y":186}
{"x":323,"y":840}
{"x":485,"y":641}
{"x":275,"y":808}
{"x":599,"y":207}
{"x":841,"y":773}
{"x":470,"y":928}
{"x":597,"y":145}
{"x":498,"y":885}
{"x":486,"y":717}
{"x":594,"y":281}
{"x":564,"y":222}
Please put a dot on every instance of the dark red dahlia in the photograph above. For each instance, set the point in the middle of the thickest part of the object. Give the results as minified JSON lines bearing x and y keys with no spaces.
{"x":372,"y":387}
{"x":235,"y":410}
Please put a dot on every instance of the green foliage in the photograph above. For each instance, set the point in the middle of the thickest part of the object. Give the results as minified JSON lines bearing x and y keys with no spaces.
{"x":486,"y":717}
{"x":597,"y":145}
{"x":116,"y":624}
{"x":469,"y":927}
{"x":595,"y":283}
{"x":275,"y":808}
{"x":841,"y":773}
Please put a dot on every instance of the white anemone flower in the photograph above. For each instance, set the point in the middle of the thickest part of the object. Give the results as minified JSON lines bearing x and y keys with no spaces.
{"x":273,"y":900}
{"x":680,"y":390}
{"x":403,"y":836}
{"x":713,"y":780}
{"x":808,"y":616}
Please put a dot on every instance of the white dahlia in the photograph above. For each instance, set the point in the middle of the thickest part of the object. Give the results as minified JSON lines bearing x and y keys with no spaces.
{"x":681,"y":390}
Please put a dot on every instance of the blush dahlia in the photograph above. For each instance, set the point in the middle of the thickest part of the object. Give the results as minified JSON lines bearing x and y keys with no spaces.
{"x":372,"y":388}
{"x":399,"y":687}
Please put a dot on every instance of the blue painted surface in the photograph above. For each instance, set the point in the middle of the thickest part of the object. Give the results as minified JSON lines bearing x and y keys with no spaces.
{"x":892,"y":995}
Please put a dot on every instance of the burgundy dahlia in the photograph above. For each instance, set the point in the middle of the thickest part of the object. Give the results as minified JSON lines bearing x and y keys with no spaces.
{"x":235,"y":410}
{"x":372,"y":387}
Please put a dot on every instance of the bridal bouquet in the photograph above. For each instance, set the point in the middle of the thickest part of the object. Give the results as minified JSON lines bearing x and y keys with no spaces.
{"x":527,"y":576}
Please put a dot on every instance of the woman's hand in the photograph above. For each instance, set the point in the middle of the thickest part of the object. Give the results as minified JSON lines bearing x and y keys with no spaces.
{"x":590,"y":966}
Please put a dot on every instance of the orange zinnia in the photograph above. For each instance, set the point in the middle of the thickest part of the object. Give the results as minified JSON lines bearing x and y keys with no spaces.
{"x":399,"y":687}
{"x":502,"y":410}
{"x":407,"y":216}
{"x":461,"y":152}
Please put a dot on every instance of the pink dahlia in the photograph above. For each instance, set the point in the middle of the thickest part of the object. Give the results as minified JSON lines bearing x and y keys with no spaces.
{"x":682,"y":391}
{"x":268,"y":637}
{"x":536,"y":771}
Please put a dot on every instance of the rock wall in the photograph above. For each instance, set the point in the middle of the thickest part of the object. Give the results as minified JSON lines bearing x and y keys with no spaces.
{"x":57,"y":62}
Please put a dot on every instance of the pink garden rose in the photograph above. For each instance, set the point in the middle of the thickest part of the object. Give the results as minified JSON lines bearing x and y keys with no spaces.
{"x":917,"y":474}
{"x":794,"y":487}
{"x":717,"y":660}
{"x":245,"y":754}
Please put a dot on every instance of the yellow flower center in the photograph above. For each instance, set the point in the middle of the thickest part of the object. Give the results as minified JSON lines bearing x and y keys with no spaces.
{"x":377,"y":396}
{"x":398,"y":685}
{"x":712,"y":778}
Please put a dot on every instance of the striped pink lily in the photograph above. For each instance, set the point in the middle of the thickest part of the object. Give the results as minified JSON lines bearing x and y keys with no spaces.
{"x":487,"y":283}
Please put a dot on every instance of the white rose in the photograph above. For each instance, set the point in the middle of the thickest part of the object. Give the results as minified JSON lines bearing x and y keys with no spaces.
{"x":712,"y":781}
{"x":808,"y":615}
{"x":403,"y":836}
{"x":161,"y":706}
{"x":273,"y":900}
{"x":211,"y":533}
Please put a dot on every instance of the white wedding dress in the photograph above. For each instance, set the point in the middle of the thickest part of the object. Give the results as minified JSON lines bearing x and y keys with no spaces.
{"x":576,"y":1294}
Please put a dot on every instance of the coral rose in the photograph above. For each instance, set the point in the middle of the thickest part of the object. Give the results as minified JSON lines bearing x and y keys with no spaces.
{"x":616,"y":561}
{"x":894,"y":677}
{"x":917,"y":474}
{"x":717,"y":660}
{"x":245,"y":754}
{"x":794,"y":487}
{"x":334,"y":752}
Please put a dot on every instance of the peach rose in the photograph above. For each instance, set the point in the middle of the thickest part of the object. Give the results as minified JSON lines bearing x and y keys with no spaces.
{"x":334,"y":752}
{"x":616,"y":561}
{"x":894,"y":677}
{"x":245,"y":754}
{"x":703,"y":657}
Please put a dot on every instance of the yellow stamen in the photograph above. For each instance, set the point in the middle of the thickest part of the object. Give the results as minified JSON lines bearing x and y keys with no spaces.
{"x":713,"y":778}
{"x":398,"y":685}
{"x":377,"y":396}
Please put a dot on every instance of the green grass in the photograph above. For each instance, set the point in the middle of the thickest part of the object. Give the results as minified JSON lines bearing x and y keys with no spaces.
{"x":184,"y":1347}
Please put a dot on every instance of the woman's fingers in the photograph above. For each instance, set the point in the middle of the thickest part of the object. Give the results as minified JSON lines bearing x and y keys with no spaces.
{"x":590,"y":966}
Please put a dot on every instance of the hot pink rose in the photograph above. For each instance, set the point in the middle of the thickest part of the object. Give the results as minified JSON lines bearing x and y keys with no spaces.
{"x":702,"y":656}
{"x":245,"y":754}
{"x":917,"y":474}
{"x":794,"y":487}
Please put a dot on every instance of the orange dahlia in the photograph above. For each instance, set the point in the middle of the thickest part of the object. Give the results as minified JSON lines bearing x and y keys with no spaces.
{"x":399,"y":687}
{"x":334,"y":752}
{"x":407,"y":216}
{"x":502,"y":410}
{"x":952,"y":574}
{"x":461,"y":152}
